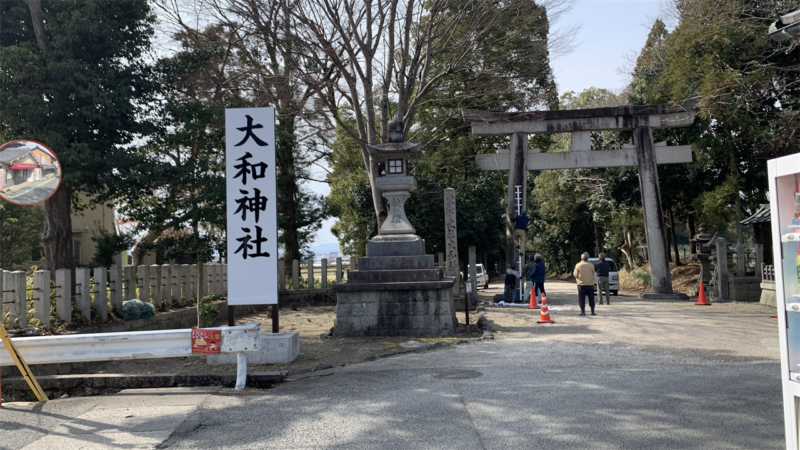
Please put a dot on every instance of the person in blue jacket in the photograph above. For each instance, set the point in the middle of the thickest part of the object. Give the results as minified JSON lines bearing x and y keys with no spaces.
{"x":537,"y":277}
{"x":510,"y":288}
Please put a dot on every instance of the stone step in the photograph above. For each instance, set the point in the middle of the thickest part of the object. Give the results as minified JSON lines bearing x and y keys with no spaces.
{"x":396,"y":245}
{"x":396,"y":262}
{"x":393,"y":276}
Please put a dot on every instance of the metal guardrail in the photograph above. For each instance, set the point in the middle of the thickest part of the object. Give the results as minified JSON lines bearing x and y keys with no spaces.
{"x":132,"y":345}
{"x":102,"y":347}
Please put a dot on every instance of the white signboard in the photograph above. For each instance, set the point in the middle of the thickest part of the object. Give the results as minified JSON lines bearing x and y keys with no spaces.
{"x":252,"y":206}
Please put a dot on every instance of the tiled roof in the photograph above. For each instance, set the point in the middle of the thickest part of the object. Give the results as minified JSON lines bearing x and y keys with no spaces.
{"x":761,"y":215}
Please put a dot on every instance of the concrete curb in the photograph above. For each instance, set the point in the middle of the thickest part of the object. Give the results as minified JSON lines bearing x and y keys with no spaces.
{"x":16,"y":388}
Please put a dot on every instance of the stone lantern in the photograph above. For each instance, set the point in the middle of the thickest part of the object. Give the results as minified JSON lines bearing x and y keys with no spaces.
{"x":395,"y":183}
{"x":396,"y":290}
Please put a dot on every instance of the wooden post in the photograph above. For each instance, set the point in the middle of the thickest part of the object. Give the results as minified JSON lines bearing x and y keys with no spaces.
{"x":741,"y":269}
{"x":324,"y":274}
{"x":144,"y":283}
{"x":64,"y":295}
{"x":759,"y":258}
{"x":473,"y":278}
{"x":101,"y":293}
{"x":338,"y":270}
{"x":175,"y":284}
{"x":83,"y":294}
{"x":192,"y":281}
{"x":130,"y":282}
{"x":155,"y":285}
{"x":295,"y":275}
{"x":310,"y":271}
{"x":224,"y":280}
{"x":281,"y":275}
{"x":41,"y":297}
{"x":115,"y":282}
{"x":185,"y":280}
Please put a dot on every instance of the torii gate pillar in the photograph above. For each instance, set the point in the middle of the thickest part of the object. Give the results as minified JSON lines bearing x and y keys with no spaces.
{"x":646,"y":156}
{"x":517,"y":176}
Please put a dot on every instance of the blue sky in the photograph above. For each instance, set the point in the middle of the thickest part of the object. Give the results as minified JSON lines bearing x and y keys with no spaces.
{"x":610,"y":31}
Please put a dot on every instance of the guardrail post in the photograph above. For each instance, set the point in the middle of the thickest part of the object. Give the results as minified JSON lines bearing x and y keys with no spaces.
{"x":310,"y":272}
{"x":101,"y":293}
{"x":130,"y":282}
{"x":84,"y":299}
{"x":338,"y":270}
{"x":295,"y":275}
{"x":115,"y":282}
{"x":184,"y":275}
{"x":41,"y":297}
{"x":64,"y":295}
{"x":144,"y":283}
{"x":324,"y":274}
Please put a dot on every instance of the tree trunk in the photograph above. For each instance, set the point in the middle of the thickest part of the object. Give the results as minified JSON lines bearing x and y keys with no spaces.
{"x":674,"y":239}
{"x":597,"y":239}
{"x":288,"y":191}
{"x":738,"y":198}
{"x":138,"y":251}
{"x":57,"y":231}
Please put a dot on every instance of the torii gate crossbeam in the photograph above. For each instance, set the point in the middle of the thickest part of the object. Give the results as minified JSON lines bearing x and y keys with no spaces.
{"x":580,"y":123}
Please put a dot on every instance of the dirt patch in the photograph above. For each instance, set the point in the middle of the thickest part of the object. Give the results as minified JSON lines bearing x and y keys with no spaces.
{"x":683,"y":278}
{"x":310,"y":322}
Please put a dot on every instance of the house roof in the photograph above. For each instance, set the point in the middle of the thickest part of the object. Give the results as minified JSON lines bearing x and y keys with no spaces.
{"x":10,"y":154}
{"x":761,"y":215}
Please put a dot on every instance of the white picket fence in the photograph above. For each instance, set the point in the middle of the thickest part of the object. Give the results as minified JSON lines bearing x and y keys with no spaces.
{"x":99,"y":289}
{"x":162,"y":285}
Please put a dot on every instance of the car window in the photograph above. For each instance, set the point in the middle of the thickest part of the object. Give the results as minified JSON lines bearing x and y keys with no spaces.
{"x":478,"y":269}
{"x":613,"y":266}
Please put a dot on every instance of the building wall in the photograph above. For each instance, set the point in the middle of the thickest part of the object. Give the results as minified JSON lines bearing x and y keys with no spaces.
{"x":88,"y":225}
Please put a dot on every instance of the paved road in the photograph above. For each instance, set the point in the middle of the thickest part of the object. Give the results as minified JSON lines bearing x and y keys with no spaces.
{"x":601,"y":384}
{"x":35,"y":194}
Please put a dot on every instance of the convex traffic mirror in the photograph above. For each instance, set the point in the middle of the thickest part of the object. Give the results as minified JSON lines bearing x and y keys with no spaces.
{"x":29,"y":172}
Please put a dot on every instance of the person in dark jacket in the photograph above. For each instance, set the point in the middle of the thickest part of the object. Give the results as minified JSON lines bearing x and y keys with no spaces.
{"x":511,"y":284}
{"x":526,"y":275}
{"x":521,"y":224}
{"x":601,"y":270}
{"x":537,"y":277}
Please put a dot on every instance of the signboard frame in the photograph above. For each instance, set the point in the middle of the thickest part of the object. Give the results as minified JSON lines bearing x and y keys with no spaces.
{"x":252,"y":210}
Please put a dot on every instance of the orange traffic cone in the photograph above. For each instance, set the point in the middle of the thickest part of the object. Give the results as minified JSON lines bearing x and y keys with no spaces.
{"x":544,"y":297}
{"x":701,"y":300}
{"x":532,"y":302}
{"x":544,"y":317}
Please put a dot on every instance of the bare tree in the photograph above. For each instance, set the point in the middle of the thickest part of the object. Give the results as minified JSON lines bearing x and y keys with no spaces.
{"x":392,"y":54}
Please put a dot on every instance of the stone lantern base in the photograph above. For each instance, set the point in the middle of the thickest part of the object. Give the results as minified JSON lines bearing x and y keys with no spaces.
{"x":397,"y":291}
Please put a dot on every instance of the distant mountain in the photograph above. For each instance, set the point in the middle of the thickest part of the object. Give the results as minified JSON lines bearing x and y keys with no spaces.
{"x":325,"y":248}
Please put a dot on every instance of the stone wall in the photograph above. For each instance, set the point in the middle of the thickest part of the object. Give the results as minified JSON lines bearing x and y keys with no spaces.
{"x":420,"y":312}
{"x":768,"y":296}
{"x":744,"y":289}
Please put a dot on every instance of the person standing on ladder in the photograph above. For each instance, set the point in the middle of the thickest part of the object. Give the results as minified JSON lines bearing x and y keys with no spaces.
{"x":521,"y":222}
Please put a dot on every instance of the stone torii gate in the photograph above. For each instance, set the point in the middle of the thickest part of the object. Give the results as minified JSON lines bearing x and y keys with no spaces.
{"x":580,"y":123}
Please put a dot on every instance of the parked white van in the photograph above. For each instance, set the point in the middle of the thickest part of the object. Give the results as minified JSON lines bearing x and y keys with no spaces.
{"x":482,"y":276}
{"x":613,"y":275}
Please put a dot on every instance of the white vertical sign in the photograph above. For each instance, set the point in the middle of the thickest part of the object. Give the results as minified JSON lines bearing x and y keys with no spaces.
{"x":252,"y":206}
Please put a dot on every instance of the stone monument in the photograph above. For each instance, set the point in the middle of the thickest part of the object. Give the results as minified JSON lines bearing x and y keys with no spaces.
{"x":397,"y":290}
